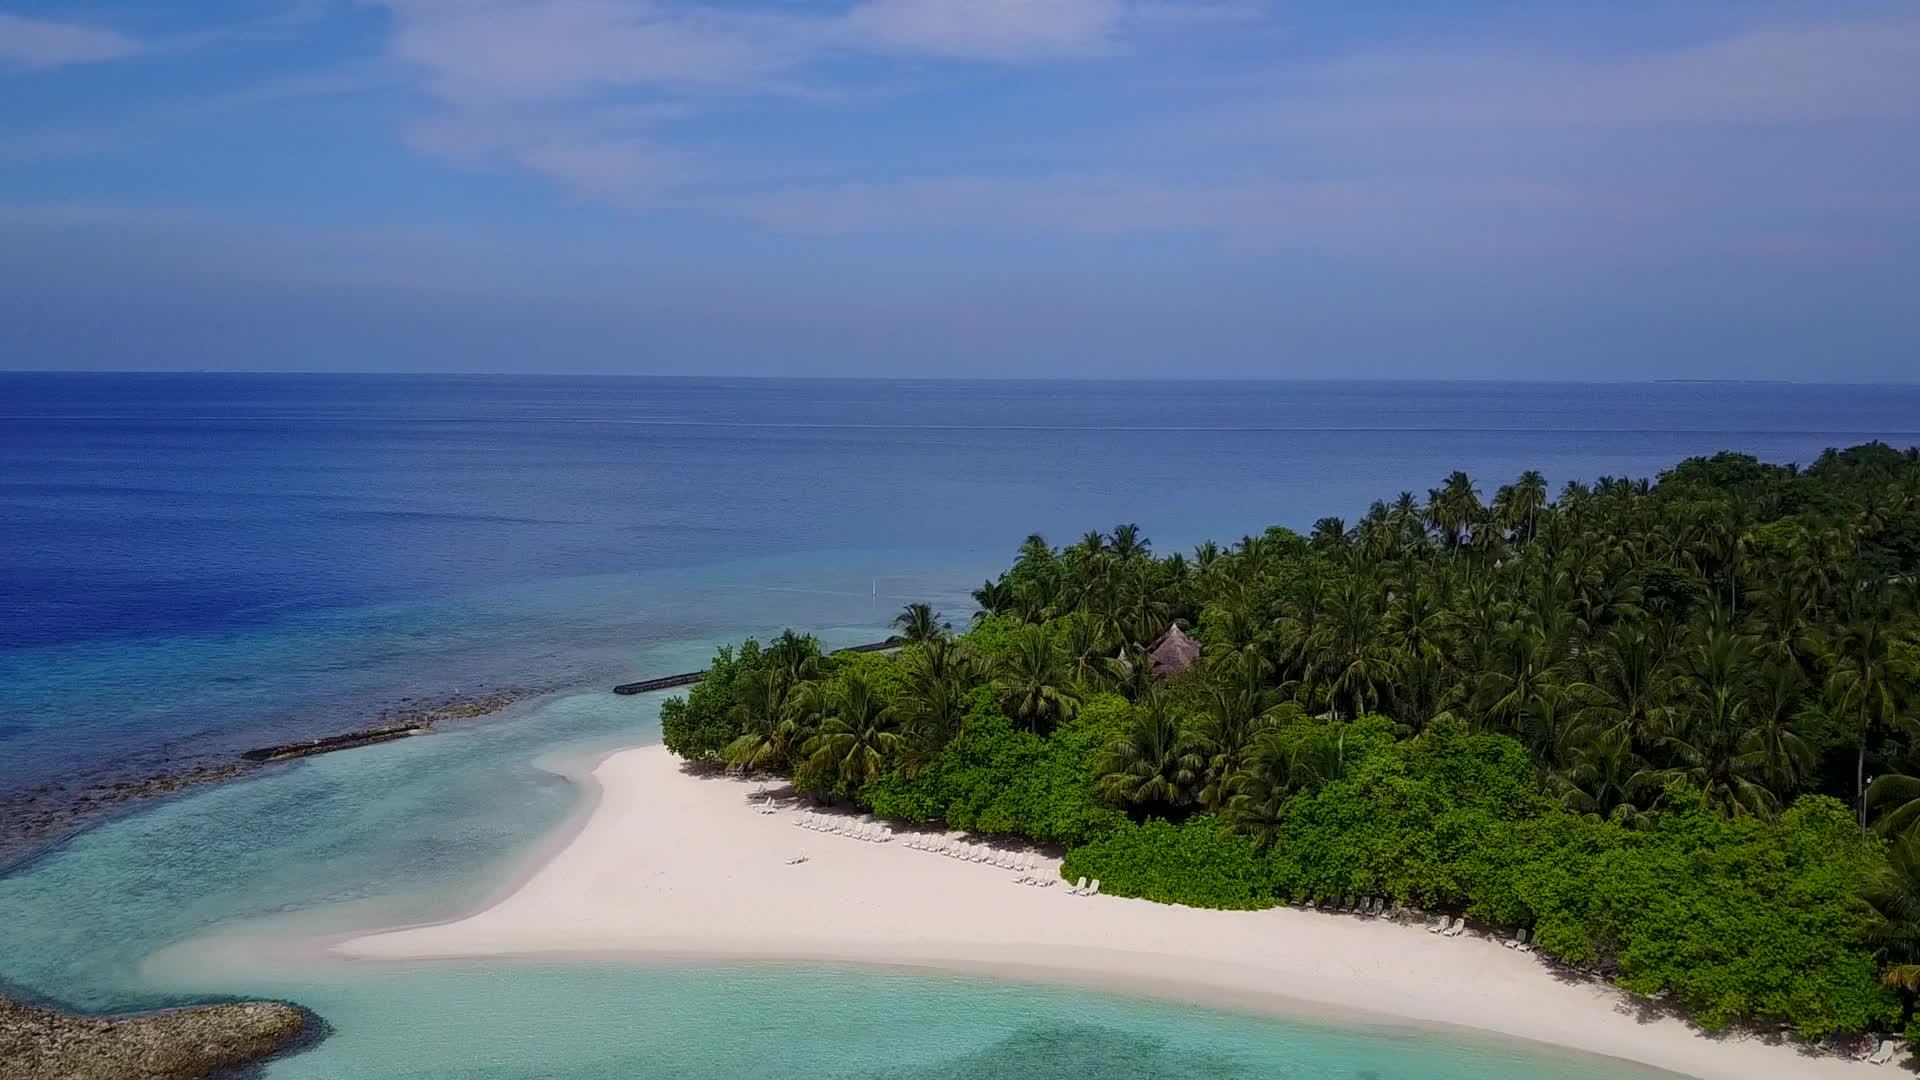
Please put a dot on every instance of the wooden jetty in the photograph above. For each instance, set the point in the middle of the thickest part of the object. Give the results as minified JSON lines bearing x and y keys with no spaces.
{"x":688,"y":678}
{"x":349,"y":741}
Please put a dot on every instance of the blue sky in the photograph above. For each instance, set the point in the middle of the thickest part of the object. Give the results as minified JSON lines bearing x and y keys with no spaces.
{"x":1621,"y":190}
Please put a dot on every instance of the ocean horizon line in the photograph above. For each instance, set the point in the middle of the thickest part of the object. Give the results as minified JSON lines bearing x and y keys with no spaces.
{"x":629,"y":376}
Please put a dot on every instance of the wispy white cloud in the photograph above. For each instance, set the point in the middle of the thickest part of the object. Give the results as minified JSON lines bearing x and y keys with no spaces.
{"x":1003,"y":30}
{"x":1833,"y":69}
{"x":492,"y":61}
{"x":1531,"y":147}
{"x":44,"y":43}
{"x":608,"y":154}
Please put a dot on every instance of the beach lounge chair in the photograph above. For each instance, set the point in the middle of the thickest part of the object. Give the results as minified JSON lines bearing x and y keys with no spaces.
{"x":1884,"y":1053}
{"x":1094,"y":889}
{"x":798,"y":858}
{"x":1078,"y":887}
{"x":1459,"y":927}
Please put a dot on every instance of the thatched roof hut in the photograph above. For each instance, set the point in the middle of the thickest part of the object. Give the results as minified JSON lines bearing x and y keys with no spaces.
{"x":1174,"y":653}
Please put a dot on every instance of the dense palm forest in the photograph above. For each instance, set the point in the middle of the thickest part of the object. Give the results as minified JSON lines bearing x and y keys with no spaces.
{"x":1666,"y":727}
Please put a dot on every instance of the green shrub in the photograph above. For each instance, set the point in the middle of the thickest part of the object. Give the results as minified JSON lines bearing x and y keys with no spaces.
{"x":1197,"y":863}
{"x":699,"y":726}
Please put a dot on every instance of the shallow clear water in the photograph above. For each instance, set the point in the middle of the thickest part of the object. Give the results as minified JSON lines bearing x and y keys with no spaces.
{"x":422,"y":829}
{"x":195,"y":564}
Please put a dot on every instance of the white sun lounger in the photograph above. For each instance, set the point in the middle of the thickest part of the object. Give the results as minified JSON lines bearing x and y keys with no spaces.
{"x":1884,"y":1053}
{"x":1094,"y":890}
{"x":1078,"y":887}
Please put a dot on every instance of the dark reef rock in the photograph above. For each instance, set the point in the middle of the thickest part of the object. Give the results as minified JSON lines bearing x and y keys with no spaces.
{"x":33,"y":818}
{"x":177,"y":1044}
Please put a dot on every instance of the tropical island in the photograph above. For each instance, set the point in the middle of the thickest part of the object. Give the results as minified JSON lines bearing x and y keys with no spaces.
{"x":1656,"y":736}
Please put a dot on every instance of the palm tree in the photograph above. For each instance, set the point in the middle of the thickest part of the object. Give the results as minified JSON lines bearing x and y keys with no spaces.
{"x":1278,"y":767}
{"x":1860,"y":683}
{"x":796,"y":657}
{"x":765,"y":711}
{"x":1895,"y":802}
{"x":1329,"y":534}
{"x":1359,"y":665}
{"x":1206,"y":554}
{"x":1629,"y":690}
{"x":1033,"y":684}
{"x":1126,"y":543}
{"x":1238,"y":708}
{"x":1528,"y":500}
{"x":1528,"y":662}
{"x":1454,"y":508}
{"x":1772,"y":747}
{"x":1085,"y":645}
{"x":1896,"y":902}
{"x":932,"y":712}
{"x":856,"y":737}
{"x":1706,"y":746}
{"x":1603,"y":781}
{"x":992,"y":598}
{"x":1157,"y":763}
{"x":919,"y":622}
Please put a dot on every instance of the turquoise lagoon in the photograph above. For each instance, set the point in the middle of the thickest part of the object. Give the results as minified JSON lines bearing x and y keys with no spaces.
{"x":426,"y":828}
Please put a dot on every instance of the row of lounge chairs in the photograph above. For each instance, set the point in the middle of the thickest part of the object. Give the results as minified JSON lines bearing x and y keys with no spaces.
{"x":1455,"y":927}
{"x":1380,"y":905}
{"x":1356,"y":905}
{"x":979,"y":853}
{"x":840,"y":826}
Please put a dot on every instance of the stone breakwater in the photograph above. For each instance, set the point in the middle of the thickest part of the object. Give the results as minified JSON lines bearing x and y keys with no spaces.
{"x":33,"y":818}
{"x":176,"y":1044}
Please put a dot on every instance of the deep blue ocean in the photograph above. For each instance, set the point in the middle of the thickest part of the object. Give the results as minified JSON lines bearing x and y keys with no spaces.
{"x":193,"y":564}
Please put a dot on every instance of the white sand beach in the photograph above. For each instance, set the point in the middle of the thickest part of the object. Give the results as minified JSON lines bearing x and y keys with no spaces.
{"x":681,"y":868}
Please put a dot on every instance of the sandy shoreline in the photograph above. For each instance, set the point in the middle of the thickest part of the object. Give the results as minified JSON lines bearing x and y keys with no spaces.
{"x":676,"y":868}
